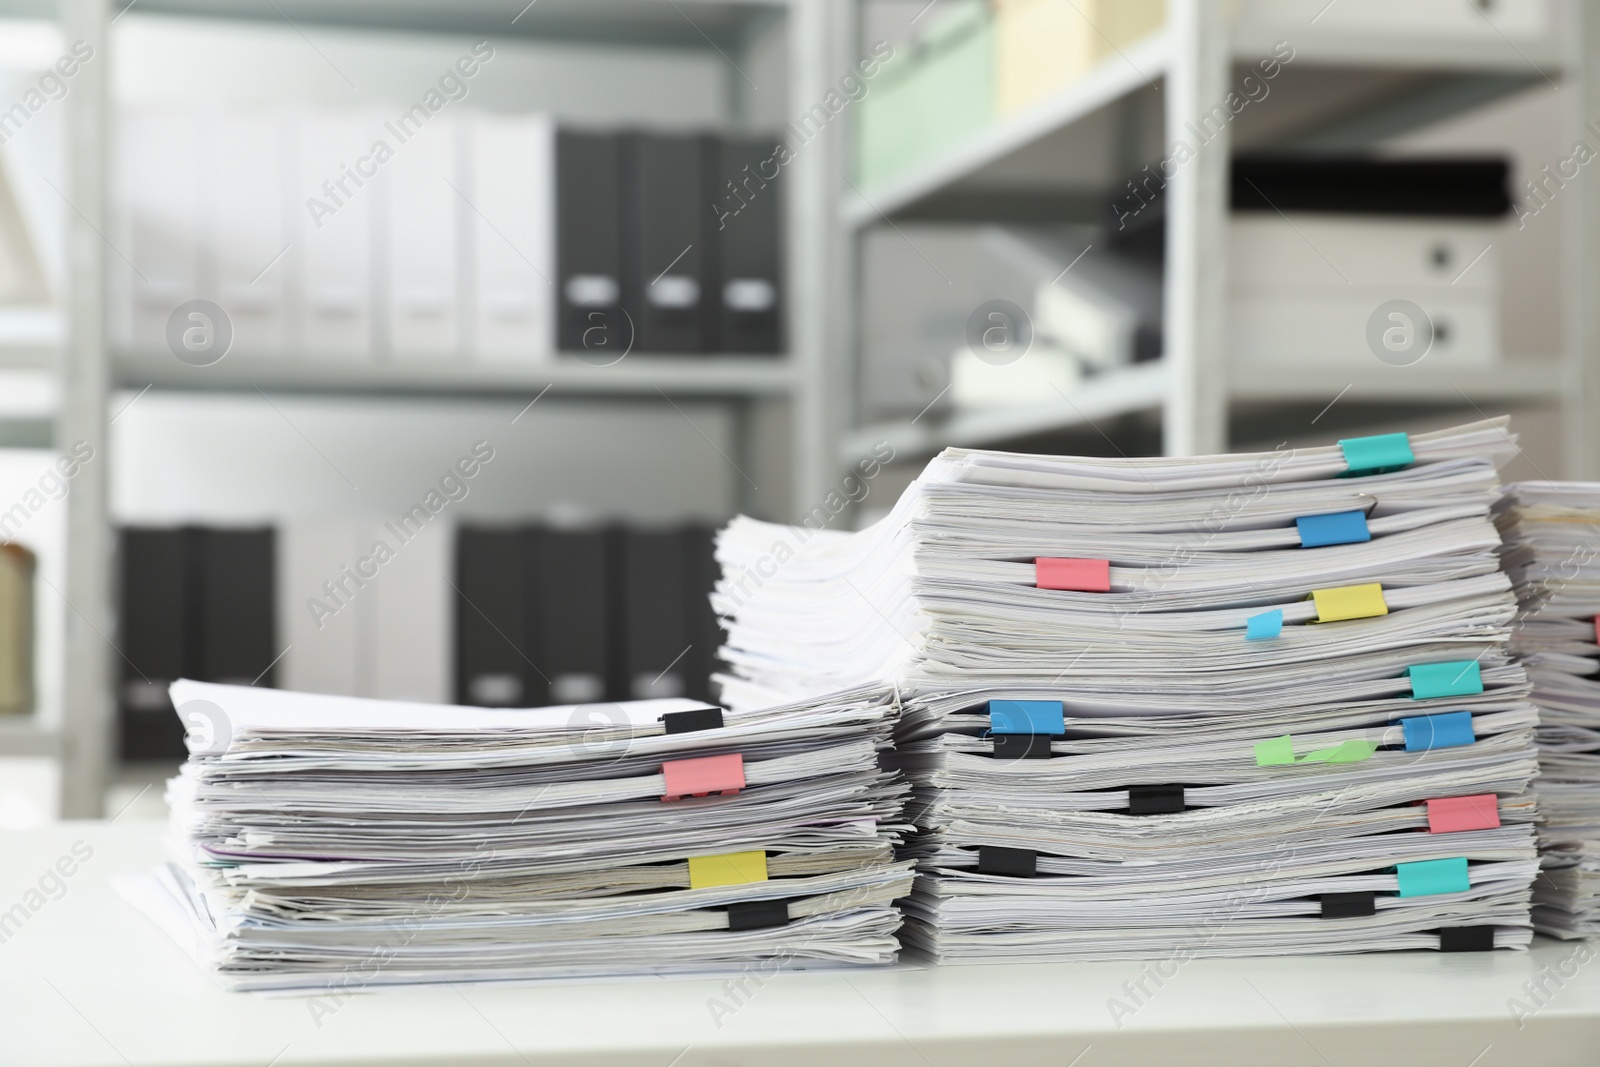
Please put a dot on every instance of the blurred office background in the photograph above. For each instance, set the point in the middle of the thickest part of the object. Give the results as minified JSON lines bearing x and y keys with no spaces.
{"x":537,"y":296}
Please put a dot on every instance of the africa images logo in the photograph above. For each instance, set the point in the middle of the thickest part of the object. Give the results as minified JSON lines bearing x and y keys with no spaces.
{"x":1399,"y":332}
{"x":199,"y":332}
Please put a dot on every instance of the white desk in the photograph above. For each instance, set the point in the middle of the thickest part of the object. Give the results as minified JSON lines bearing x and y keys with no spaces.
{"x":88,"y":980}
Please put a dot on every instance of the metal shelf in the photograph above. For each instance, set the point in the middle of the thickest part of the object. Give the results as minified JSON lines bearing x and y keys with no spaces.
{"x":28,"y":357}
{"x":1145,"y":388}
{"x":1447,"y":75}
{"x":1513,"y":381}
{"x":1316,"y":45}
{"x":637,"y":374}
{"x":29,"y":402}
{"x":1140,"y":388}
{"x":25,"y":737}
{"x":1139,"y":65}
{"x":659,"y":23}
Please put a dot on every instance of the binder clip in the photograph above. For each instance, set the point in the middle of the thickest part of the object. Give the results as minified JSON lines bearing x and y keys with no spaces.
{"x":758,"y":914}
{"x":1155,"y":799}
{"x":1017,"y":862}
{"x":692,"y":721}
{"x":1349,"y":905}
{"x":703,"y":776}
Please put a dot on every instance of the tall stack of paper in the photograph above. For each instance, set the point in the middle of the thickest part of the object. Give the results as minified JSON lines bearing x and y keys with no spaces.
{"x":337,"y":842}
{"x":1552,"y":534}
{"x":1222,"y":705}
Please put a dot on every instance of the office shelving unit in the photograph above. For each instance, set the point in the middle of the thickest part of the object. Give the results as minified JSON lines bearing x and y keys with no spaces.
{"x":710,"y":376}
{"x":1164,"y":80}
{"x":88,"y":370}
{"x":1407,"y":80}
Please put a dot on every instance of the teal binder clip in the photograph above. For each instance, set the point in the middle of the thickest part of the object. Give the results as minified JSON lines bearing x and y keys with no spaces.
{"x":1377,"y":454}
{"x":1426,"y":878}
{"x":1457,"y":678}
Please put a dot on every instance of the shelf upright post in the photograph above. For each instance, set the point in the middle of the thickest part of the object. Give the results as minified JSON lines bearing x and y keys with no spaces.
{"x":844,"y":270}
{"x":815,"y":174}
{"x":1195,"y":168}
{"x":1580,"y":261}
{"x":84,"y":390}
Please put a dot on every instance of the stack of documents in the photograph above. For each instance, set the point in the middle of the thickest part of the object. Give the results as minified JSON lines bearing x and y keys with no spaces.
{"x":1224,"y":705}
{"x":338,"y":842}
{"x":1552,"y":534}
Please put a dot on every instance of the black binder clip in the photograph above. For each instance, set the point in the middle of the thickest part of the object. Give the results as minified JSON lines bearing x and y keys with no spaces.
{"x":1466,"y":939}
{"x":1349,"y":905}
{"x":1155,"y":799}
{"x":1022,"y":746}
{"x":758,"y":914}
{"x":997,"y":859}
{"x":692,"y":721}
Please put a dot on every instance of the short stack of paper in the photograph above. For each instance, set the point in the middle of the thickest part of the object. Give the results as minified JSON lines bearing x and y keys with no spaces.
{"x":1552,"y":534}
{"x":1216,"y":706}
{"x":336,"y":842}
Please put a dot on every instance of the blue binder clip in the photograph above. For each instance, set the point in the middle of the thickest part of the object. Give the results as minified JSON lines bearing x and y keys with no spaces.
{"x":1449,"y":730}
{"x":1339,"y":528}
{"x":1027,"y":717}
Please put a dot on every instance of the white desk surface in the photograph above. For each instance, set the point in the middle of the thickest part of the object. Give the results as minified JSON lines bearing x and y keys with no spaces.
{"x":87,"y":980}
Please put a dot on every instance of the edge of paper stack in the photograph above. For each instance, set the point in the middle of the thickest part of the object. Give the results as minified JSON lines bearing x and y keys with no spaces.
{"x":1552,"y":534}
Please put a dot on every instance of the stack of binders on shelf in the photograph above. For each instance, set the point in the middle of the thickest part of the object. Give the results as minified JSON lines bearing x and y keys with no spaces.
{"x":498,"y":239}
{"x":667,"y":243}
{"x":337,"y":843}
{"x":1223,"y":705}
{"x":1551,"y":530}
{"x":194,"y":602}
{"x":571,"y":614}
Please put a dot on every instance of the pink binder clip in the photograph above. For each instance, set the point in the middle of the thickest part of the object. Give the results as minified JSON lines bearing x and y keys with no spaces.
{"x":1449,"y":815}
{"x":703,"y":776}
{"x":1078,"y":575}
